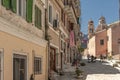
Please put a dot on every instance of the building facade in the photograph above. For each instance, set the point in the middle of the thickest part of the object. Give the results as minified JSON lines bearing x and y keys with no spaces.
{"x":113,"y":33}
{"x":105,"y":39}
{"x":23,"y":49}
{"x":63,"y":24}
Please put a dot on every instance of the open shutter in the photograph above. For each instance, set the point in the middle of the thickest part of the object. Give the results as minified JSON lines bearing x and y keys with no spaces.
{"x":6,"y":3}
{"x":14,"y":5}
{"x":36,"y":17}
{"x":39,"y":21}
{"x":29,"y":10}
{"x":40,"y":18}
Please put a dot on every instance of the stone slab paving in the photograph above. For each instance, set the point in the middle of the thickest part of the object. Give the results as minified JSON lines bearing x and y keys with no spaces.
{"x":100,"y":71}
{"x":92,"y":71}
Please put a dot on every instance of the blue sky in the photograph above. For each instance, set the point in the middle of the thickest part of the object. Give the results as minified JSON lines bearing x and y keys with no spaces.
{"x":94,"y":9}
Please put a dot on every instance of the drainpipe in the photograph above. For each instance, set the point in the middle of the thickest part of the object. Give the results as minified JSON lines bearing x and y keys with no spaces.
{"x":47,"y":39}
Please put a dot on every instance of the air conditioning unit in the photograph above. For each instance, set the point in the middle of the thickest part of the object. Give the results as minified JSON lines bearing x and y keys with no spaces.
{"x":55,"y":24}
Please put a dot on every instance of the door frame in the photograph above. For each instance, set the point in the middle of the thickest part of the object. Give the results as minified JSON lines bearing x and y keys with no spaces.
{"x":21,"y":54}
{"x":2,"y":63}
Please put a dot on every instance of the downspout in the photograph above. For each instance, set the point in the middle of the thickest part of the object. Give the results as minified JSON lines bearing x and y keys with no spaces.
{"x":48,"y":43}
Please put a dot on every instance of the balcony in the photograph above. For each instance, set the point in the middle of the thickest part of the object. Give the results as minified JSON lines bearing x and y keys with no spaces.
{"x":70,"y":11}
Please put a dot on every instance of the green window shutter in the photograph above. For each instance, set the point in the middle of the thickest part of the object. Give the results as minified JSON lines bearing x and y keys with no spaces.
{"x":36,"y":16}
{"x":29,"y":10}
{"x":14,"y":5}
{"x":6,"y":3}
{"x":40,"y":20}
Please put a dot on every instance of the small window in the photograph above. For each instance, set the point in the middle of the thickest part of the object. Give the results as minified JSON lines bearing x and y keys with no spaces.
{"x":38,"y":65}
{"x":102,"y":42}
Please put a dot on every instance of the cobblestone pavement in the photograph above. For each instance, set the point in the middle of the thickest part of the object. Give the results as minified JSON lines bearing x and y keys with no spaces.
{"x":100,"y":71}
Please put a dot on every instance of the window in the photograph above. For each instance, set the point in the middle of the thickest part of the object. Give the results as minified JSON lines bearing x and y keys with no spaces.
{"x":38,"y":19}
{"x":21,"y":8}
{"x":37,"y":65}
{"x":50,"y":14}
{"x":19,"y":67}
{"x":91,"y":30}
{"x":102,"y":42}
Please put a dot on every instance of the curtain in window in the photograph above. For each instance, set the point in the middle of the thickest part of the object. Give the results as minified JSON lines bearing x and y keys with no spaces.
{"x":29,"y":10}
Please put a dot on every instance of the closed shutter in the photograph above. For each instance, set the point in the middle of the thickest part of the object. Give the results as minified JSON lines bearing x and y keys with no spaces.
{"x":29,"y":10}
{"x":38,"y":17}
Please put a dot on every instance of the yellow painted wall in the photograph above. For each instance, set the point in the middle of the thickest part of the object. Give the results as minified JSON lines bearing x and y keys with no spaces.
{"x":12,"y":44}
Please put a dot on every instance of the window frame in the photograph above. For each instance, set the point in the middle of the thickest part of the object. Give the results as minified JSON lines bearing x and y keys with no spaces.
{"x":50,"y":16}
{"x":23,"y":8}
{"x":39,"y":65}
{"x":102,"y":42}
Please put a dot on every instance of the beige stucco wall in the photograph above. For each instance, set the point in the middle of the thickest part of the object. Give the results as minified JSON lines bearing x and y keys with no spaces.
{"x":109,"y":42}
{"x":92,"y":46}
{"x":12,"y":44}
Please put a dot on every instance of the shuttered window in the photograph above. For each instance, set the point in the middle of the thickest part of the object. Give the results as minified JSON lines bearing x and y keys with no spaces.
{"x":22,"y":7}
{"x":38,"y":20}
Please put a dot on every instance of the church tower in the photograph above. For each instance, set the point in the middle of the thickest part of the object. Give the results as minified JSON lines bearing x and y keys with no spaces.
{"x":102,"y":24}
{"x":90,"y":29}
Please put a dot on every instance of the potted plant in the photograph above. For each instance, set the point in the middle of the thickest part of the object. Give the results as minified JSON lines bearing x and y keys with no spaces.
{"x":78,"y":72}
{"x":82,"y":64}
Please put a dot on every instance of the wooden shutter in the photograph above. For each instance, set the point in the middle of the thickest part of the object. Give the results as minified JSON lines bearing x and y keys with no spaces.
{"x":29,"y":10}
{"x":6,"y":3}
{"x":39,"y":20}
{"x":14,"y":5}
{"x":36,"y":17}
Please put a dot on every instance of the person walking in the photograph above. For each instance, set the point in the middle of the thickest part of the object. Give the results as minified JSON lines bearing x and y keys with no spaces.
{"x":88,"y":57}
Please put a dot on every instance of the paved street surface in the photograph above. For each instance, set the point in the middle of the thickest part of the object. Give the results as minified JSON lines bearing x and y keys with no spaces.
{"x":69,"y":73}
{"x":92,"y":71}
{"x":100,"y":71}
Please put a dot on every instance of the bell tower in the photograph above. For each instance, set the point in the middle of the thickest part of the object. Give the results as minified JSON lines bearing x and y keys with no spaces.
{"x":90,"y":28}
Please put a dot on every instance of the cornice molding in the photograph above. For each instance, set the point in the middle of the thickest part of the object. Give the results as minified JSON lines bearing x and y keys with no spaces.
{"x":21,"y":32}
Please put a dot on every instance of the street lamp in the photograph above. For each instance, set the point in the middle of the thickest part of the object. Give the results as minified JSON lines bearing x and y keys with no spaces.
{"x":119,"y":47}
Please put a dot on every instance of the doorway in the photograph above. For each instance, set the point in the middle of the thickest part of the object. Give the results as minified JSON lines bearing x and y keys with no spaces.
{"x":19,"y":67}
